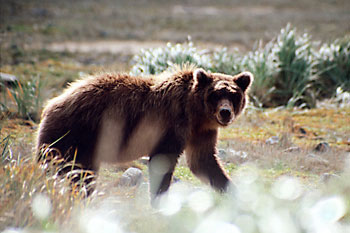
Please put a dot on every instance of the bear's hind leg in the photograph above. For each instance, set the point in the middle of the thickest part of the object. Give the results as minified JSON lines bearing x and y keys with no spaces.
{"x":161,"y":168}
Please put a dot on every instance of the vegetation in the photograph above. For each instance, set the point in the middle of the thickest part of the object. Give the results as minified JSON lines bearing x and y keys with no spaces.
{"x":285,"y":187}
{"x":27,"y":98}
{"x":333,"y":65}
{"x":155,"y":61}
{"x":35,"y":199}
{"x":32,"y":195}
{"x":289,"y":70}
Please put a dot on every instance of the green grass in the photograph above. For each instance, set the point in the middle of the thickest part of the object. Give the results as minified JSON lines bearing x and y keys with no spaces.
{"x":27,"y":98}
{"x":333,"y":63}
{"x":185,"y":174}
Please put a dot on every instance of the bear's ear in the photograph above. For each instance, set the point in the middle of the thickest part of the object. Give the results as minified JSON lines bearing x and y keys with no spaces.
{"x":200,"y":77}
{"x":244,"y":80}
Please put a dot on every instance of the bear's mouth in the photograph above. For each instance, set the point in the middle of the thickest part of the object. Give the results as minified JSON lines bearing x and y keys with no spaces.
{"x":223,"y":122}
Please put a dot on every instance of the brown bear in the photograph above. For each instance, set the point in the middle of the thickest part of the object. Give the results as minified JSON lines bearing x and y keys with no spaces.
{"x":119,"y":118}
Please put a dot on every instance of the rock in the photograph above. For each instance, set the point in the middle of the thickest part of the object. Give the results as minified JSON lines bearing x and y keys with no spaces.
{"x":144,"y":160}
{"x":8,"y":79}
{"x":325,"y":177}
{"x":176,"y":179}
{"x":302,"y":130}
{"x":273,"y":140}
{"x":240,"y":154}
{"x":223,"y":154}
{"x":131,"y":177}
{"x":322,"y":147}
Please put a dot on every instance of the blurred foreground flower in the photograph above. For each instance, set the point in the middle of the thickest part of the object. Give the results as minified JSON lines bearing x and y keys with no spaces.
{"x":41,"y":206}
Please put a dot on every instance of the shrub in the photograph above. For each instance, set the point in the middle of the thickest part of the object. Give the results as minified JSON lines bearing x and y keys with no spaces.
{"x":294,"y":56}
{"x":224,"y":62}
{"x":157,"y":60}
{"x":333,"y":65}
{"x":262,"y":63}
{"x":288,"y":70}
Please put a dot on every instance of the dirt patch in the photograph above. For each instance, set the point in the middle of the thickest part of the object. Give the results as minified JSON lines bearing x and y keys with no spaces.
{"x":223,"y":22}
{"x":214,"y":11}
{"x":113,"y":46}
{"x":123,"y":47}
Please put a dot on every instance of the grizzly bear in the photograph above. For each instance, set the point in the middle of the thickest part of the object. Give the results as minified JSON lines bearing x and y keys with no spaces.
{"x":119,"y":118}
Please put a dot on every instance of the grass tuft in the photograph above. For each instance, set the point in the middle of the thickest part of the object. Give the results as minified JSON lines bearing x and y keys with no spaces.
{"x":26,"y":97}
{"x":33,"y":195}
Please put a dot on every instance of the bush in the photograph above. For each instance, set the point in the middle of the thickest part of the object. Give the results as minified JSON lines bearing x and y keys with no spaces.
{"x":262,"y":63}
{"x":155,"y":61}
{"x":224,"y":62}
{"x":333,"y":65}
{"x":288,"y":70}
{"x":295,"y":69}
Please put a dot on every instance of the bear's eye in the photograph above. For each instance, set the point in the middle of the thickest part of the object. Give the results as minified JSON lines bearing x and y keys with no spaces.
{"x":213,"y":97}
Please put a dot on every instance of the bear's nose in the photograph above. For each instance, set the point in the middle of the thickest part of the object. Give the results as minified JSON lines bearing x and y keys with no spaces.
{"x":225,"y":113}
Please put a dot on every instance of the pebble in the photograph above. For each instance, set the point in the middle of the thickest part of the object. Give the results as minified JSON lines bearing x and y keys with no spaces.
{"x":302,"y":130}
{"x":131,"y":177}
{"x":325,"y":177}
{"x":322,"y":147}
{"x":223,"y":154}
{"x":292,"y":149}
{"x":8,"y":80}
{"x":144,"y":160}
{"x":273,"y":140}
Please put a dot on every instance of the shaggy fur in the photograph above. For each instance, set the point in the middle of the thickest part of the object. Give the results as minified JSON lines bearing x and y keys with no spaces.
{"x":119,"y":118}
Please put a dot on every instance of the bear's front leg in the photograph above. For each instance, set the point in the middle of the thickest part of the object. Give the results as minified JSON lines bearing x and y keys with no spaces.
{"x":202,"y":160}
{"x":162,"y":163}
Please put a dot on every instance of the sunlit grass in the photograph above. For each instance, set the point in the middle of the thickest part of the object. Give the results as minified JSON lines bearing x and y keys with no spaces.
{"x":320,"y":124}
{"x":32,"y":195}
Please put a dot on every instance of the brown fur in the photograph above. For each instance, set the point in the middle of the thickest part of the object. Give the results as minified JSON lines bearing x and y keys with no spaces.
{"x":119,"y":118}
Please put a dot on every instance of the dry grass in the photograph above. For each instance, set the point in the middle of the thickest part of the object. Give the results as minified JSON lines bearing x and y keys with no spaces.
{"x":290,"y":159}
{"x":22,"y":180}
{"x":299,"y":127}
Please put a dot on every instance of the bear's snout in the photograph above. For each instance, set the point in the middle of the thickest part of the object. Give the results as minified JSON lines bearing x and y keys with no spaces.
{"x":224,"y":114}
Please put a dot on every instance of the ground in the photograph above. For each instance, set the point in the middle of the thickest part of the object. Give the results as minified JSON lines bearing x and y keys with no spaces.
{"x":299,"y":131}
{"x":60,"y":41}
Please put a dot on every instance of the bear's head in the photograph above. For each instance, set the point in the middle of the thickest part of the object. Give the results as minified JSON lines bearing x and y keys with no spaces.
{"x":224,"y":96}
